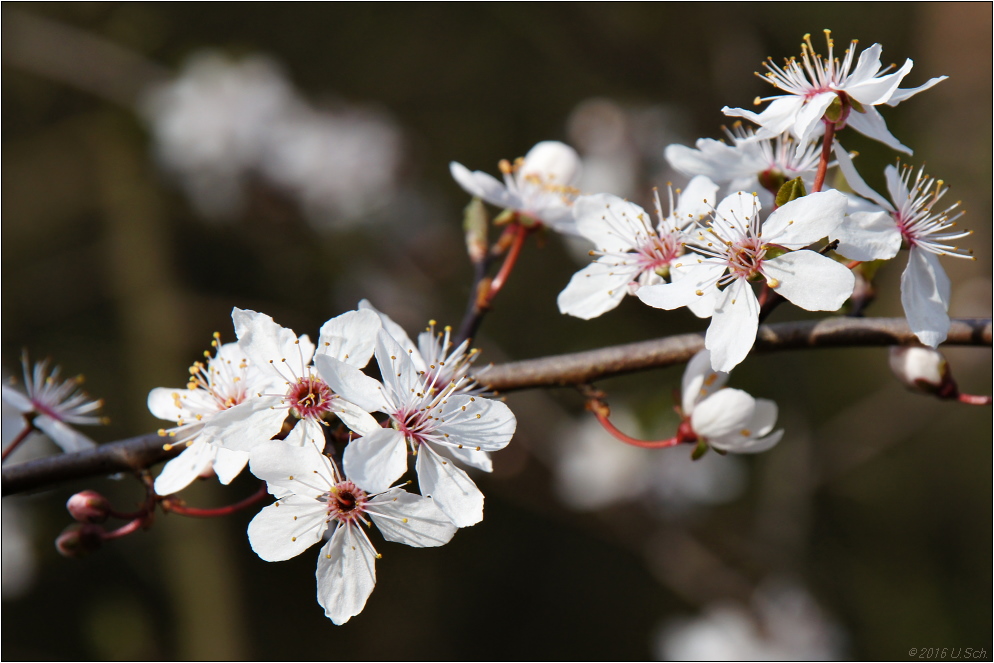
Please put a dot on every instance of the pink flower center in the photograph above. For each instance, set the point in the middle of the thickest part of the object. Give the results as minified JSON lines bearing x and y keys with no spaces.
{"x":659,"y":252}
{"x":310,"y":398}
{"x":413,"y":424}
{"x":745,"y":257}
{"x":346,"y":502}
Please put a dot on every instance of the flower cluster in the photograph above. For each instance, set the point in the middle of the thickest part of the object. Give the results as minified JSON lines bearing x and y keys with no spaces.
{"x":708,"y":256}
{"x":337,"y":445}
{"x":284,"y":405}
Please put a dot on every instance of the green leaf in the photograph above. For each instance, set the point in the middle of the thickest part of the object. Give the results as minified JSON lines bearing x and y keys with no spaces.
{"x":791,"y":190}
{"x":701,"y":449}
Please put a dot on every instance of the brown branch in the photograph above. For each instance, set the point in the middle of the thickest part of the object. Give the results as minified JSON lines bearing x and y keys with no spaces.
{"x":583,"y":367}
{"x":562,"y":370}
{"x":131,"y":455}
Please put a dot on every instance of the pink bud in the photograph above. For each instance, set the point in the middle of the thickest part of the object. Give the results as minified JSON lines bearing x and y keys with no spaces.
{"x":923,"y":369}
{"x":79,"y":539}
{"x":88,"y":507}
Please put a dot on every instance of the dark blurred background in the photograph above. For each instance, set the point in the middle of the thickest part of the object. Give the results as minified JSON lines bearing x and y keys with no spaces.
{"x":163,"y":163}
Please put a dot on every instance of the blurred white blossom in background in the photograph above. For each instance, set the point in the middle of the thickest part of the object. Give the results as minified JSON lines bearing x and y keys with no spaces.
{"x":593,"y":470}
{"x":223,"y":122}
{"x":783,"y":623}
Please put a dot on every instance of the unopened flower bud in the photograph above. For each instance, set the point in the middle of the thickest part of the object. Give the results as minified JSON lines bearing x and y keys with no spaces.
{"x":79,"y":539}
{"x":88,"y":506}
{"x":923,"y":369}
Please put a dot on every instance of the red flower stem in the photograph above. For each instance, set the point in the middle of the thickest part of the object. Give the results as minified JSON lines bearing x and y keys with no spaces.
{"x":257,"y":496}
{"x":23,"y":435}
{"x":826,"y":153}
{"x":520,"y":235}
{"x":125,"y":529}
{"x":644,"y":444}
{"x":974,"y":399}
{"x":854,"y":264}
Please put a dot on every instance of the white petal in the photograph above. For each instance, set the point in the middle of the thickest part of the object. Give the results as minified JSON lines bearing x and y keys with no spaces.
{"x":755,"y":436}
{"x":396,"y":368}
{"x":726,"y":411}
{"x":350,"y":337}
{"x":699,"y":381}
{"x":696,"y":201}
{"x":700,"y":305}
{"x":866,"y":67}
{"x":880,"y":89}
{"x":287,"y":528}
{"x":410,"y":519}
{"x":346,"y":573}
{"x":180,"y":472}
{"x":553,"y":161}
{"x":735,"y":213}
{"x":733,"y":326}
{"x":750,"y":445}
{"x":855,"y":181}
{"x":266,"y":342}
{"x":872,"y":124}
{"x":868,"y":236}
{"x":805,"y":220}
{"x":246,"y":425}
{"x":901,"y":95}
{"x":351,"y":384}
{"x":306,"y":432}
{"x":300,"y":469}
{"x":775,"y":119}
{"x":479,"y":459}
{"x":451,"y":488}
{"x":610,"y":222}
{"x":17,"y":400}
{"x":355,"y":417}
{"x":925,"y":296}
{"x":68,"y":438}
{"x":229,"y":464}
{"x":597,"y":288}
{"x":809,"y":117}
{"x":374,"y":462}
{"x":167,"y":403}
{"x":712,"y":158}
{"x":811,"y":281}
{"x":483,"y":186}
{"x":696,"y":283}
{"x":476,"y":423}
{"x":397,"y":332}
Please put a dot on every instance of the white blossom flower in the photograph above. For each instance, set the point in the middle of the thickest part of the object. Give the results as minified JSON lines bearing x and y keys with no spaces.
{"x":748,"y":164}
{"x":222,"y":382}
{"x":539,"y":186}
{"x":727,"y":419}
{"x":593,"y":471}
{"x":52,"y":403}
{"x":734,"y":249}
{"x":222,"y":123}
{"x":782,"y":623}
{"x":429,"y":420}
{"x":630,"y":252}
{"x":442,"y":367}
{"x":877,"y":233}
{"x":307,"y":397}
{"x":815,"y":82}
{"x":315,"y":496}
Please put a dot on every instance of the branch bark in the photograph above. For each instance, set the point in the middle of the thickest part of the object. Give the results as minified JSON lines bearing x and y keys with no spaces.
{"x":137,"y":453}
